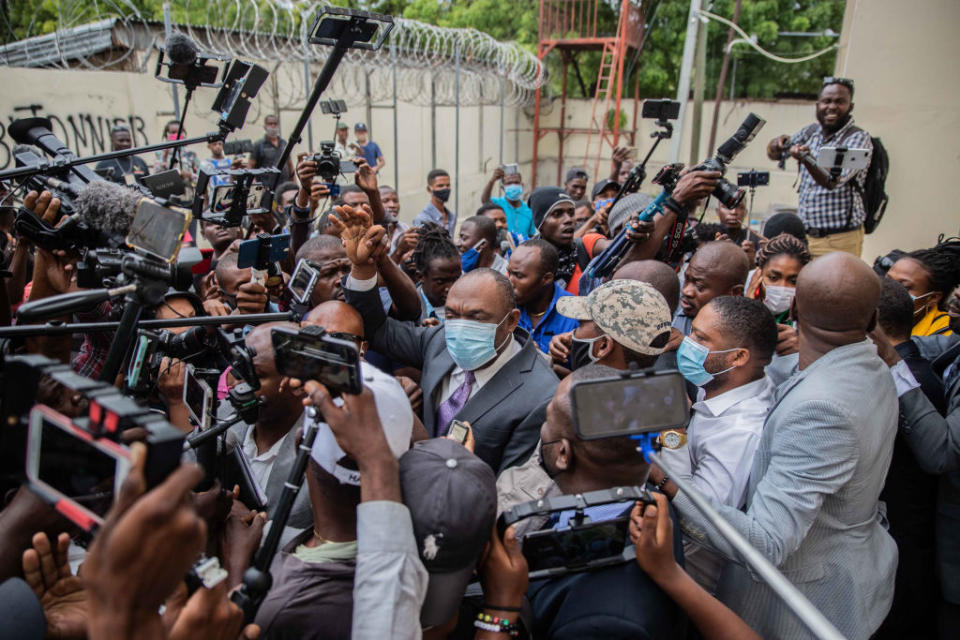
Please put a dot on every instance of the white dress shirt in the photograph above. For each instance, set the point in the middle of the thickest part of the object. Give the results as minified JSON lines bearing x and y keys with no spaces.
{"x":723,"y":436}
{"x":482,"y":376}
{"x":260,"y":464}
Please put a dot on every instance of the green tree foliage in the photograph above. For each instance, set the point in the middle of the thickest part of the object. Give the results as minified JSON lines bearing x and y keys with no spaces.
{"x":657,"y":67}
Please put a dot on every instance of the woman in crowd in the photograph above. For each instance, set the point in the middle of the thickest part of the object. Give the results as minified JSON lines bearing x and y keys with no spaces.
{"x":929,"y":276}
{"x":775,"y":279}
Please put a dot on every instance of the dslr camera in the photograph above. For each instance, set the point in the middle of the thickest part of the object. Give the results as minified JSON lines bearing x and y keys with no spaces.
{"x":728,"y":194}
{"x":330,"y":166}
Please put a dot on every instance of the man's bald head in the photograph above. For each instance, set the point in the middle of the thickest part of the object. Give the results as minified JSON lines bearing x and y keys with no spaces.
{"x":260,"y":341}
{"x":490,"y":282}
{"x":336,"y":317}
{"x":723,"y":260}
{"x":838,"y":293}
{"x":655,"y":273}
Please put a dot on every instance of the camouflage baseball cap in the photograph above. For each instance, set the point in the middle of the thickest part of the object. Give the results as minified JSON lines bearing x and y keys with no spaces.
{"x":631,"y":312}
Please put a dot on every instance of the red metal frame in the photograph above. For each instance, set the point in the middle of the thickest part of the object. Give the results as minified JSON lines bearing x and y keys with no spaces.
{"x":571,"y":25}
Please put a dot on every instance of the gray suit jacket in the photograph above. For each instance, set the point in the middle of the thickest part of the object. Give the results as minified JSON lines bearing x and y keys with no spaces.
{"x":301,"y":516}
{"x":812,"y":499}
{"x":506,"y":414}
{"x":935,"y":441}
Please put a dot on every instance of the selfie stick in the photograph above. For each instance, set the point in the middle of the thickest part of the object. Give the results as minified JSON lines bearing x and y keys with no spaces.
{"x":354,"y":32}
{"x":257,"y":579}
{"x":809,"y":615}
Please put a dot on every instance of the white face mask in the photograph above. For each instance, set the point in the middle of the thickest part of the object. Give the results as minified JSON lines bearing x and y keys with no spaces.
{"x":778,"y":298}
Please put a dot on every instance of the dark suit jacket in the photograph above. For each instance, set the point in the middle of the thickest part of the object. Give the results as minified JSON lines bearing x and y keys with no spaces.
{"x":936,"y":442}
{"x":506,"y":414}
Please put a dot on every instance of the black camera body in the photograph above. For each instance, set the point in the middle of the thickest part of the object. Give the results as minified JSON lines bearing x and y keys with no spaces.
{"x":729,"y":195}
{"x":329,"y":163}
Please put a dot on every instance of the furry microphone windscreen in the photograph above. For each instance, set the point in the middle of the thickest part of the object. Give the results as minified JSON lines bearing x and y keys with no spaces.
{"x":180,"y":49}
{"x":108,"y":207}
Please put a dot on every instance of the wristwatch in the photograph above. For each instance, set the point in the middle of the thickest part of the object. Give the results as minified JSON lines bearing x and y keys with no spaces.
{"x":673,"y":439}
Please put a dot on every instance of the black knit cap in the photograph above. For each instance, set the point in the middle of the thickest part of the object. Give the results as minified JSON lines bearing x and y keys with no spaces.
{"x":543,"y":200}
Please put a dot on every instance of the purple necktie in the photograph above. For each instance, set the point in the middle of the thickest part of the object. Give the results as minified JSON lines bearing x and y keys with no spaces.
{"x":452,"y":405}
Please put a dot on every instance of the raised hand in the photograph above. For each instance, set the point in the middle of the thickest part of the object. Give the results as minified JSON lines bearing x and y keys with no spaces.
{"x":359,"y":235}
{"x":61,"y":594}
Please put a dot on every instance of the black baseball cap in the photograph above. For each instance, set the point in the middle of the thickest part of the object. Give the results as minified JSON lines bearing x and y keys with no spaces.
{"x":360,"y":127}
{"x":606,"y":183}
{"x":576,"y":172}
{"x":452,"y":498}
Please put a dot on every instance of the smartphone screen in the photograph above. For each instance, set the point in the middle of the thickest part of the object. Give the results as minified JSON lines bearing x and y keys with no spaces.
{"x":334,"y":363}
{"x":301,"y":284}
{"x":140,"y":355}
{"x":459,"y":431}
{"x":158,"y":230}
{"x":627,"y":406}
{"x":255,"y":196}
{"x":577,"y":546}
{"x":69,"y":461}
{"x":198,"y":397}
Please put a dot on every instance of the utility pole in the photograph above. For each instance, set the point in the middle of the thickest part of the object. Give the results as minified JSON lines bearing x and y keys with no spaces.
{"x":723,"y":76}
{"x":686,"y":66}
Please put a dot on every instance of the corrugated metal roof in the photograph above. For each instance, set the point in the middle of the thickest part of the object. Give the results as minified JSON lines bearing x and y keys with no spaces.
{"x":61,"y":46}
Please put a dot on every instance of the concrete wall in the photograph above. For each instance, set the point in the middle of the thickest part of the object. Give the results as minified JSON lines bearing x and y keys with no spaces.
{"x":83,"y":106}
{"x":903,"y":57}
{"x":903,"y":61}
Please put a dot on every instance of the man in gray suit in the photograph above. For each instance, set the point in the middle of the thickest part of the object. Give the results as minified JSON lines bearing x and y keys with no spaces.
{"x":812,"y":498}
{"x":480,"y":369}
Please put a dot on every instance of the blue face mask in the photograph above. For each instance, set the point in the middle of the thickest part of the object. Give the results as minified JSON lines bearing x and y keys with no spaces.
{"x":513,"y":192}
{"x":690,"y":358}
{"x":471,"y":343}
{"x":469,"y":259}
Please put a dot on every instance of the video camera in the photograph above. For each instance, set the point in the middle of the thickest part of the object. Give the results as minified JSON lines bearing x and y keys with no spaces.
{"x":75,"y":464}
{"x":729,"y":195}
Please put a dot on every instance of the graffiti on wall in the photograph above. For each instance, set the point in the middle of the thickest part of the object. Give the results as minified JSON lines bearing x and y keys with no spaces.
{"x":84,"y":132}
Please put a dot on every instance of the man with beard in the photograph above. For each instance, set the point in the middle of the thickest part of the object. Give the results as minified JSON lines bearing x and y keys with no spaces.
{"x":831,"y":207}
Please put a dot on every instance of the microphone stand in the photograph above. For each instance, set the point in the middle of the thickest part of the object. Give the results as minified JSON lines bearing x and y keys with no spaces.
{"x":257,"y":579}
{"x":56,"y":329}
{"x":62,"y":163}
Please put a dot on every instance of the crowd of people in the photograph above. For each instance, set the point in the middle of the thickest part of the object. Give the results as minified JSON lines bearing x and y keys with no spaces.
{"x":824,"y":397}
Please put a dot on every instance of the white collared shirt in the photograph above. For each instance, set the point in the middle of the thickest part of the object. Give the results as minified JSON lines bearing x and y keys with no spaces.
{"x":723,"y":437}
{"x":483,"y":376}
{"x":260,"y":464}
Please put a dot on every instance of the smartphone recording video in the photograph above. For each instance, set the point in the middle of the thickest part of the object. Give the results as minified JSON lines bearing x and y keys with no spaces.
{"x":198,"y":397}
{"x":158,"y":230}
{"x":624,"y":406}
{"x":312,"y":354}
{"x":302,"y":282}
{"x":76,"y":471}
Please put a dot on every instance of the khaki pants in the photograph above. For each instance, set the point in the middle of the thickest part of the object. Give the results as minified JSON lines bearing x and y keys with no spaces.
{"x":849,"y":241}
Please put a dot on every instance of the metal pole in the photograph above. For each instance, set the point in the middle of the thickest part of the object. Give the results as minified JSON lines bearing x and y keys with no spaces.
{"x":723,"y":77}
{"x":396,"y":141}
{"x":369,"y":111}
{"x":686,"y":66}
{"x":456,"y":146}
{"x":815,"y":621}
{"x":698,"y":89}
{"x":167,"y":29}
{"x":433,"y":120}
{"x":516,"y":138}
{"x":306,"y":94}
{"x":503,"y":90}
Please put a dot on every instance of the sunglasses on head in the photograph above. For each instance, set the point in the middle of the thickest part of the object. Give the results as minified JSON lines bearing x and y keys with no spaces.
{"x":846,"y":82}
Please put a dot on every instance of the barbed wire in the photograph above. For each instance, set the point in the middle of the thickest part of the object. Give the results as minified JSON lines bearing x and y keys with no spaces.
{"x":275,"y":33}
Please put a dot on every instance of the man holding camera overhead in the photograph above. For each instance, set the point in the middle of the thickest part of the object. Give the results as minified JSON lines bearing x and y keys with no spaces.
{"x":831,"y":208}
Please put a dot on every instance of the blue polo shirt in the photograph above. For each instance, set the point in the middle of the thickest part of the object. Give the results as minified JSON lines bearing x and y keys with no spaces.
{"x":519,"y":219}
{"x":552,"y":322}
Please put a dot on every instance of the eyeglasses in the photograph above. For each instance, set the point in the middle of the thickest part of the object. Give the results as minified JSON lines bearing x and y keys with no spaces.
{"x":845,"y":82}
{"x":343,"y":335}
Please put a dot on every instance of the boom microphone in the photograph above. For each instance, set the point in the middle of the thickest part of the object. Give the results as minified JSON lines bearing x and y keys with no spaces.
{"x":180,"y":48}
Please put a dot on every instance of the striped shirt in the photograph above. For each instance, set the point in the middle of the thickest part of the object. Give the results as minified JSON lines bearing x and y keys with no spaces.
{"x":839,"y":208}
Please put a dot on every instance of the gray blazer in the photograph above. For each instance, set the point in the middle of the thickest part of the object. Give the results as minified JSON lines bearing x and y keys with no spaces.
{"x":935,"y":441}
{"x":506,"y":414}
{"x":301,"y":516}
{"x":812,"y":499}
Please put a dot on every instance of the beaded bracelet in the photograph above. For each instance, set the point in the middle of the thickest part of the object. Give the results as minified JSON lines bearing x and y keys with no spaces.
{"x":496,"y":624}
